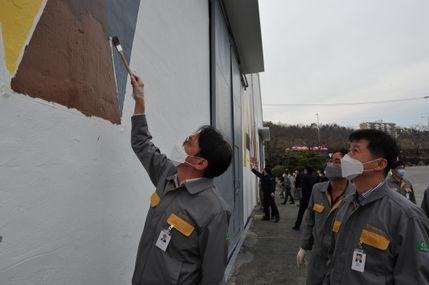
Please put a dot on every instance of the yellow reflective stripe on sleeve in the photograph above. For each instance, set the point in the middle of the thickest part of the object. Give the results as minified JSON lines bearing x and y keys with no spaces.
{"x":336,"y":226}
{"x":154,"y":200}
{"x":374,"y":240}
{"x":318,"y":207}
{"x":181,"y":225}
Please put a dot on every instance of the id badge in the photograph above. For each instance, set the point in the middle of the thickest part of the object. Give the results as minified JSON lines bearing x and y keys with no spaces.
{"x":358,"y":262}
{"x":163,"y":240}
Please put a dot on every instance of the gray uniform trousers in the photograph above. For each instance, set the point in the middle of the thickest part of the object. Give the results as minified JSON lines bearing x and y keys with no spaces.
{"x":317,"y":229}
{"x":393,"y":232}
{"x":199,"y":258}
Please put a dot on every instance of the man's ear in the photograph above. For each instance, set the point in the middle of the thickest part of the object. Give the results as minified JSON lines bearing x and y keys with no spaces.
{"x":382,"y":164}
{"x":201,"y":165}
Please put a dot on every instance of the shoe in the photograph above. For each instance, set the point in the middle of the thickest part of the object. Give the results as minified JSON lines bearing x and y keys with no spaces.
{"x":291,"y":203}
{"x":284,"y":203}
{"x":295,"y":228}
{"x":265,"y":219}
{"x":277,"y":220}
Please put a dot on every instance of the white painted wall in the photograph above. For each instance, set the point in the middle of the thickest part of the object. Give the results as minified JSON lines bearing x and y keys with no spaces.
{"x":73,"y":198}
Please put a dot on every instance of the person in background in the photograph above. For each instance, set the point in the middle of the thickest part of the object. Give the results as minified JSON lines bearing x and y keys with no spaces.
{"x":291,"y":178}
{"x":322,"y":176}
{"x":288,"y":188}
{"x":268,"y":189}
{"x":396,"y":181}
{"x":324,"y":202}
{"x":283,"y":184}
{"x":308,"y":181}
{"x":298,"y":186}
{"x":425,"y":202}
{"x":379,"y":237}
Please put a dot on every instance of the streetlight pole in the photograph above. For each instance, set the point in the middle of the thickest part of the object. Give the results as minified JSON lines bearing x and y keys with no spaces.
{"x":318,"y":129}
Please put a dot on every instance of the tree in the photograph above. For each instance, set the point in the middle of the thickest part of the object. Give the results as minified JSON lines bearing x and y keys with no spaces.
{"x":278,"y":170}
{"x":302,"y":159}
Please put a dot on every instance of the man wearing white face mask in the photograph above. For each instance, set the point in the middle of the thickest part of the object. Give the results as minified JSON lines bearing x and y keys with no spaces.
{"x":379,"y":238}
{"x":398,"y":183}
{"x":324,"y":202}
{"x":185,"y":237}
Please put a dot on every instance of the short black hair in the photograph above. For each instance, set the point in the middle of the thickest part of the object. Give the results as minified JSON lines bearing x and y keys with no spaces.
{"x":268,"y":170}
{"x":379,"y":144}
{"x":309,"y":169}
{"x":342,"y":150}
{"x":397,"y":163}
{"x":215,"y":149}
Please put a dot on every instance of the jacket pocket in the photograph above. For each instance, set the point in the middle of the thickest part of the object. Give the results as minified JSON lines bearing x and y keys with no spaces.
{"x":373,"y":239}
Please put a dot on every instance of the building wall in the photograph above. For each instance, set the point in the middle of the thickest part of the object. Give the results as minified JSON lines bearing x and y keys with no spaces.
{"x":74,"y":196}
{"x":389,"y":128}
{"x":252,"y":118}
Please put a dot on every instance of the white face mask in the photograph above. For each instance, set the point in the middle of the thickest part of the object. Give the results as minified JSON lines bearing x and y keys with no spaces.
{"x":351,"y":168}
{"x":178,"y":154}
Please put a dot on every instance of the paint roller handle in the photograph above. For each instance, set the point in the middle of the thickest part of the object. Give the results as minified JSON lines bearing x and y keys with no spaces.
{"x":138,"y":94}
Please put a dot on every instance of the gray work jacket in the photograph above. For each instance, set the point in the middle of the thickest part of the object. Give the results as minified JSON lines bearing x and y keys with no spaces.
{"x":403,"y":187}
{"x":317,"y":229}
{"x":394,"y":234}
{"x":199,"y":258}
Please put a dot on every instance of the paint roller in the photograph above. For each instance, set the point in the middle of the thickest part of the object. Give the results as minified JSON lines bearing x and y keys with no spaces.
{"x":117,"y":44}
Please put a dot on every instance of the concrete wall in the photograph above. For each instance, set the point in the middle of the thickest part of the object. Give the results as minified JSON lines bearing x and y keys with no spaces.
{"x":73,"y":196}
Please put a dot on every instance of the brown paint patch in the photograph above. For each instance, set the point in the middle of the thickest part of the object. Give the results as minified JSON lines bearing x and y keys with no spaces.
{"x":69,"y":61}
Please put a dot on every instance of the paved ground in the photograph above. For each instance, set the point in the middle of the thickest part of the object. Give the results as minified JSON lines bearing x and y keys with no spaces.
{"x":419,"y":177}
{"x":268,"y":254}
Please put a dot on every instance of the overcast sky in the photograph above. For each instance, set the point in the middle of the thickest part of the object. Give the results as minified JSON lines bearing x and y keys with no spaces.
{"x":342,"y":51}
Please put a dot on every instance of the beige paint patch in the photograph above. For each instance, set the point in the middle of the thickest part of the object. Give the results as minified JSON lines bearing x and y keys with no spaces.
{"x":16,"y":20}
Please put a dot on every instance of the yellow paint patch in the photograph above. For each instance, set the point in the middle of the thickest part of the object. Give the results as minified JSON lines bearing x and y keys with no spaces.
{"x":16,"y":20}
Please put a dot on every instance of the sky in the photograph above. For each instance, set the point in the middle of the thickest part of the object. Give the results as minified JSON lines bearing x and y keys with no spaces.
{"x":345,"y":51}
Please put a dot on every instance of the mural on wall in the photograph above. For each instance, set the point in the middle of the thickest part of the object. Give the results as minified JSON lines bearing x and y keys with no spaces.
{"x":249,"y":131}
{"x":69,"y":58}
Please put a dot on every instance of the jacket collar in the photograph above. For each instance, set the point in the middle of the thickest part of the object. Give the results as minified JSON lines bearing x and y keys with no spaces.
{"x":193,"y":186}
{"x":375,"y":195}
